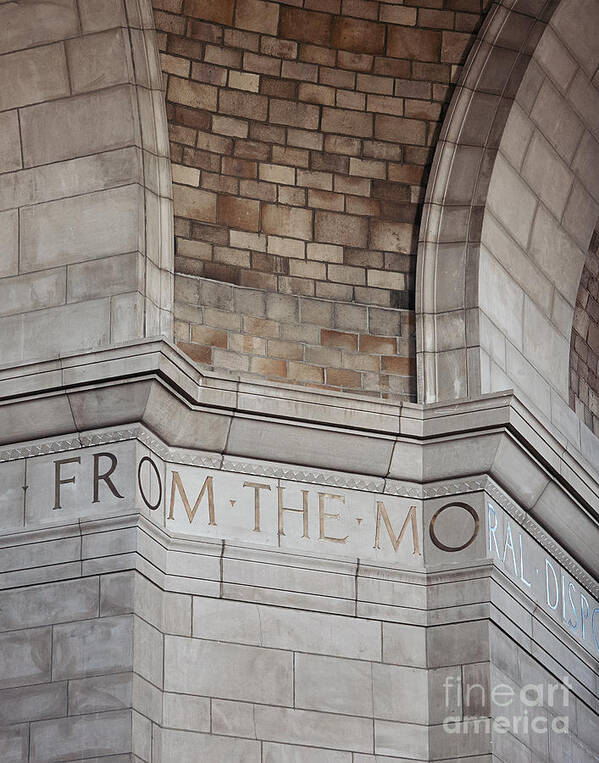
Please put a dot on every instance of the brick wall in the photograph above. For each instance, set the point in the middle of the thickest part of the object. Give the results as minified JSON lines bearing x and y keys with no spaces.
{"x":301,"y":136}
{"x":584,"y":344}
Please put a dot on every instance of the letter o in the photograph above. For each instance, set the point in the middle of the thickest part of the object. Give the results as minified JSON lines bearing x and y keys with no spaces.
{"x":470,"y":540}
{"x":151,"y":506}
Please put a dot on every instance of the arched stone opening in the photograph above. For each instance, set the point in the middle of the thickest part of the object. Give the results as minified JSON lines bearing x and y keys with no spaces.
{"x":510,"y":211}
{"x":85,"y":191}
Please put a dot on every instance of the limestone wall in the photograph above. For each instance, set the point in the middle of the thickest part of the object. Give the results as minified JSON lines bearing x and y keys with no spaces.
{"x":85,"y":211}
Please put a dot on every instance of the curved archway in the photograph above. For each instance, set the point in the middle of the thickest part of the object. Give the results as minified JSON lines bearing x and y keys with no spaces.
{"x":85,"y":205}
{"x":510,"y":211}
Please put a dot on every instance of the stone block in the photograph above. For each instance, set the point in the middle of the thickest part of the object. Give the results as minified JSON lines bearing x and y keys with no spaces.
{"x":229,"y":671}
{"x":32,"y":703}
{"x":547,"y":174}
{"x":286,"y":753}
{"x":105,"y":277}
{"x":511,"y":201}
{"x":282,"y":628}
{"x":48,"y":604}
{"x":25,"y":657}
{"x":302,"y":727}
{"x":83,"y":736}
{"x":556,"y":254}
{"x":232,"y":718}
{"x":80,"y":228}
{"x":92,"y":646}
{"x":188,"y":712}
{"x":585,"y":160}
{"x":32,"y":291}
{"x":400,"y":693}
{"x":405,"y":740}
{"x":14,"y":743}
{"x":148,"y":648}
{"x":10,"y":142}
{"x":333,"y":685}
{"x":12,"y":499}
{"x":110,"y":47}
{"x":458,"y":643}
{"x":98,"y":16}
{"x":28,"y":26}
{"x":177,"y":746}
{"x":100,"y":693}
{"x":9,"y":231}
{"x":78,"y":126}
{"x":33,"y":75}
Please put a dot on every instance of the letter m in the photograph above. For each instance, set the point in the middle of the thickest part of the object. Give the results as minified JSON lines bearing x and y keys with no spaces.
{"x":206,"y":487}
{"x":381,"y":513}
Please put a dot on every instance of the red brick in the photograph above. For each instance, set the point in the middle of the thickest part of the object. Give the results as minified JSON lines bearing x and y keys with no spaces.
{"x":268,"y":366}
{"x":197,"y":352}
{"x":344,"y":230}
{"x":391,"y":67}
{"x":341,"y":377}
{"x":280,"y":220}
{"x":416,"y":44}
{"x":400,"y":130}
{"x":271,"y":46}
{"x":377,"y":344}
{"x":256,"y":15}
{"x":190,"y":93}
{"x":238,"y":39}
{"x":239,"y":167}
{"x":303,"y":372}
{"x":181,"y":46}
{"x":361,"y":62}
{"x":396,"y":365}
{"x":294,"y":114}
{"x":306,"y":26}
{"x":251,"y":149}
{"x":208,"y":336}
{"x":242,"y":104}
{"x":194,"y":203}
{"x":365,"y":9}
{"x":200,"y":30}
{"x":221,"y":12}
{"x":358,"y":36}
{"x":278,"y":87}
{"x":214,"y":75}
{"x":315,"y":54}
{"x":239,"y":213}
{"x":406,"y":173}
{"x":340,"y":339}
{"x":346,"y":122}
{"x":262,"y":64}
